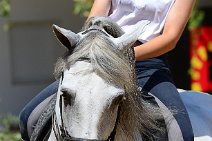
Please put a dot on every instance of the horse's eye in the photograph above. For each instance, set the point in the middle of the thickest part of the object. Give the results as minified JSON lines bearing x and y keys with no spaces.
{"x":67,"y":97}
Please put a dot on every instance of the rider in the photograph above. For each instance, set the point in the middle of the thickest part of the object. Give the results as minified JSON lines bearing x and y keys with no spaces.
{"x":168,"y":19}
{"x":167,"y":22}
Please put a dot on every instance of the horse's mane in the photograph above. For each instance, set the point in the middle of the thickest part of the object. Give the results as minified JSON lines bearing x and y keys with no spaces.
{"x":136,"y":115}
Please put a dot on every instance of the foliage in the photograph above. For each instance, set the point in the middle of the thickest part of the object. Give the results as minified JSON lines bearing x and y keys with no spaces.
{"x":196,"y":18}
{"x":10,"y":136}
{"x":82,"y":7}
{"x":4,"y":8}
{"x":9,"y":130}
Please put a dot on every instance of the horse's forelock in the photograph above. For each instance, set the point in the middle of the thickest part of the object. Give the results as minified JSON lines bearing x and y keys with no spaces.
{"x":106,"y":59}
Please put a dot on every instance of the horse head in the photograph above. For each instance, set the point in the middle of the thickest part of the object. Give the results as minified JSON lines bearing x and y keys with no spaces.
{"x":95,"y":77}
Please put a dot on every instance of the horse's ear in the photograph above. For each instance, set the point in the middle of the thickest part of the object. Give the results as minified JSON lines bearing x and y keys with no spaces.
{"x":129,"y":38}
{"x":66,"y":37}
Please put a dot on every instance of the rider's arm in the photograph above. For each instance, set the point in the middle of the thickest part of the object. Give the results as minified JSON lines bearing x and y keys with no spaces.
{"x":100,"y":8}
{"x":174,"y":26}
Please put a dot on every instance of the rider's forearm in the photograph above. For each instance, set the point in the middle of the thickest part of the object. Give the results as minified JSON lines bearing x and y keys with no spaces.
{"x":175,"y":24}
{"x":100,"y":8}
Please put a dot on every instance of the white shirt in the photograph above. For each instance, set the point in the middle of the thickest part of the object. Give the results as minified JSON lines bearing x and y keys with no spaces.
{"x":126,"y":13}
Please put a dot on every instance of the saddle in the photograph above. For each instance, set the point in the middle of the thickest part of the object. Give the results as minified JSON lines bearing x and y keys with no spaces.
{"x":43,"y":127}
{"x":169,"y":124}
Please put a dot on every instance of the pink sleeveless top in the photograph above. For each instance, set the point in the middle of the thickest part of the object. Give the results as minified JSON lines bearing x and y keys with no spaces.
{"x":126,"y":13}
